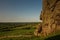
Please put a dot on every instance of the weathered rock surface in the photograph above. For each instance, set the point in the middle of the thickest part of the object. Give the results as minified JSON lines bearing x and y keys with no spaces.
{"x":50,"y":17}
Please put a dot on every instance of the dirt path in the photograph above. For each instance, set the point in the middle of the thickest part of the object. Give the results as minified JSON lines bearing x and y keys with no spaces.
{"x":15,"y":36}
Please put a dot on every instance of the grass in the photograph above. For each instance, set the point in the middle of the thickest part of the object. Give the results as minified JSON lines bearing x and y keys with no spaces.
{"x":18,"y":31}
{"x":23,"y":38}
{"x":27,"y":29}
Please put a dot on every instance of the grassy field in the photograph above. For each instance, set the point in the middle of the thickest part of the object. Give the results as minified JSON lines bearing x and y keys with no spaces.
{"x":20,"y":31}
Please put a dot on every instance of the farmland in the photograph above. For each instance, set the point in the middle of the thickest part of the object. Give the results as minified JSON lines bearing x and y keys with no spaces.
{"x":19,"y":31}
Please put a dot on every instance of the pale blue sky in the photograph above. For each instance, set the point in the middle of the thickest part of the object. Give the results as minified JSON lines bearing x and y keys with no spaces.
{"x":20,"y":10}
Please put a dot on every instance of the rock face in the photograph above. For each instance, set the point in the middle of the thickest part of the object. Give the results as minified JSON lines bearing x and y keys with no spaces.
{"x":50,"y":17}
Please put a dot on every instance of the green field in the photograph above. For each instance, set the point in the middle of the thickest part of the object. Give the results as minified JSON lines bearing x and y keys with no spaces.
{"x":20,"y":31}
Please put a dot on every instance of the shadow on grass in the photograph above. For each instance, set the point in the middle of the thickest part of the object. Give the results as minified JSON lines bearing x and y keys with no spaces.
{"x":57,"y":37}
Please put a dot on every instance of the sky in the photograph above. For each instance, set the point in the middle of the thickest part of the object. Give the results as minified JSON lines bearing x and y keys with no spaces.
{"x":20,"y":10}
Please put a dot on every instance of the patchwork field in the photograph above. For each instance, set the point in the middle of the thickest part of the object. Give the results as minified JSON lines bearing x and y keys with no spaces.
{"x":20,"y":31}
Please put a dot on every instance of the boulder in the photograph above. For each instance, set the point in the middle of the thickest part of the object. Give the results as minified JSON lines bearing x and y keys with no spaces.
{"x":50,"y":16}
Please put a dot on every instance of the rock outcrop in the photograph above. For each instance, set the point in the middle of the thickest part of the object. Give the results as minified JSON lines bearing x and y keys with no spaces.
{"x":50,"y":17}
